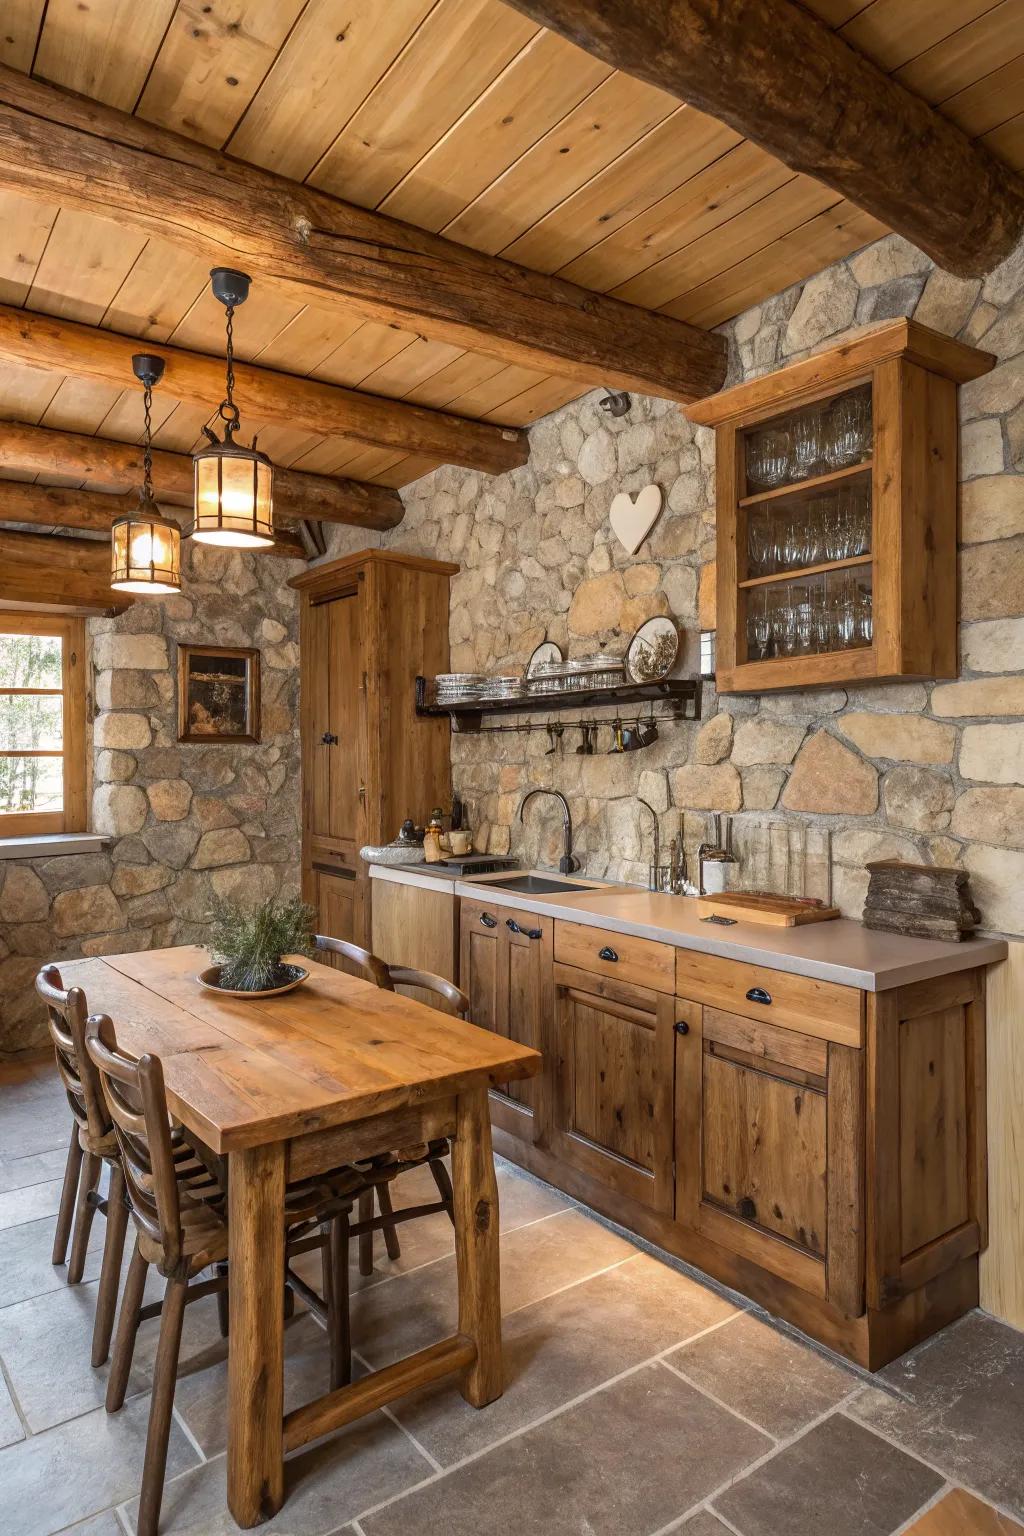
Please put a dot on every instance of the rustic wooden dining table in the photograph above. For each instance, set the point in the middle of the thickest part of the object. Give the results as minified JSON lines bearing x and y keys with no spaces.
{"x":290,"y":1086}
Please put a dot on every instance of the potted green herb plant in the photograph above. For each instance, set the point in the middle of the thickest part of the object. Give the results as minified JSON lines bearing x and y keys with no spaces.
{"x":248,"y":945}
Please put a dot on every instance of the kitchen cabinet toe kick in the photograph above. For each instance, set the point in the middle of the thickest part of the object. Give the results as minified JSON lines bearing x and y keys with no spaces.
{"x":822,"y":1152}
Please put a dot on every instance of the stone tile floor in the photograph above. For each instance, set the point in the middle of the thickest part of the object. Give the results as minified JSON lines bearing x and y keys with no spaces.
{"x":639,"y":1399}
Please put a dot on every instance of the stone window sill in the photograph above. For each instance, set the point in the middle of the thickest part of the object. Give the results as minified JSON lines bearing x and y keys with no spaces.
{"x":50,"y":845}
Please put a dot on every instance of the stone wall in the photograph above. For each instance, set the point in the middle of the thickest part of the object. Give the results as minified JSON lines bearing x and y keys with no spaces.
{"x":185,"y":822}
{"x":912,"y":770}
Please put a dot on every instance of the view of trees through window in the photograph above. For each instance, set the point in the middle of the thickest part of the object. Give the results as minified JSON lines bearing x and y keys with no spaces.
{"x":31,"y":723}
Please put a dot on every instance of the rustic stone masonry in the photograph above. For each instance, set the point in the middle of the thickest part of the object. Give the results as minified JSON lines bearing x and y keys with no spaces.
{"x":911,"y":770}
{"x":186,"y":823}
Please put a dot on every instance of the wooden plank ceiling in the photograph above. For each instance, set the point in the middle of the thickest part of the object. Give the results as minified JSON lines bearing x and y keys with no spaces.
{"x":465,"y":118}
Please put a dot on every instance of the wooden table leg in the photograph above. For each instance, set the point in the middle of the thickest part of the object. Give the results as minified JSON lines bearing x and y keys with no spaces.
{"x":256,"y":1341}
{"x":476,"y":1246}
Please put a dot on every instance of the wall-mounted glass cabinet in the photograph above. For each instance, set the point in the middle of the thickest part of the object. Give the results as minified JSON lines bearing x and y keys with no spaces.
{"x":837,"y":492}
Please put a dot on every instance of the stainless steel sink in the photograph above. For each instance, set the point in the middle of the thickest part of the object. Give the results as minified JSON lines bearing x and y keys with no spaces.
{"x":535,"y":885}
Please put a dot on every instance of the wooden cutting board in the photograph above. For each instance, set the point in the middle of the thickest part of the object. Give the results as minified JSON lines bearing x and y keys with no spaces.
{"x":761,"y":907}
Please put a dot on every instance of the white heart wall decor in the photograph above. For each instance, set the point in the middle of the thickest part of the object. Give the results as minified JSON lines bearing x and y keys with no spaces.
{"x":632,"y":518}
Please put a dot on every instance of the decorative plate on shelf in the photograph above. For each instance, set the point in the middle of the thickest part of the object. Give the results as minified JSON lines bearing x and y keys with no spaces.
{"x":547,"y":651}
{"x":652,"y":651}
{"x":292,"y":976}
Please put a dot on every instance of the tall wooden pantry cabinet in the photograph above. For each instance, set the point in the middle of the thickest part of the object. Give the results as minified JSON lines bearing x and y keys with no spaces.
{"x":370,"y":624}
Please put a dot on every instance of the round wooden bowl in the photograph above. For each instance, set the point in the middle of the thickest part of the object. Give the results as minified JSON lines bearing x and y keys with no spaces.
{"x":210,"y":979}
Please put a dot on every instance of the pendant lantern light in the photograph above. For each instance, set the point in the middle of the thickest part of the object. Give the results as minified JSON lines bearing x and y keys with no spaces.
{"x":234,"y":486}
{"x":145,"y":546}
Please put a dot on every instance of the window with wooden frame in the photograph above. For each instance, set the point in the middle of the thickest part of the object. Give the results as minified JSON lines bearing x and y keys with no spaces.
{"x":42,"y":724}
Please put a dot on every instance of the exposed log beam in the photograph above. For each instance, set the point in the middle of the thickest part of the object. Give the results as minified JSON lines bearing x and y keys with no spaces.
{"x":52,"y":572}
{"x":58,"y":506}
{"x":779,"y":75}
{"x":68,"y":150}
{"x":63,"y":346}
{"x":316,"y":498}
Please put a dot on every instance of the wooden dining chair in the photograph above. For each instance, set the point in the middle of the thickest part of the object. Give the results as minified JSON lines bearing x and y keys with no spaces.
{"x":389,"y":977}
{"x":179,"y":1208}
{"x":93,"y":1144}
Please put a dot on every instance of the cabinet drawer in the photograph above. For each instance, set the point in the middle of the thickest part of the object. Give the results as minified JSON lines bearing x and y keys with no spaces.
{"x":820,"y":1008}
{"x":335,"y":853}
{"x":642,"y":961}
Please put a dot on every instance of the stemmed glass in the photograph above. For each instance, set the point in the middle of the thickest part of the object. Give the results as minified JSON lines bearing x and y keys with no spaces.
{"x":767,"y":454}
{"x":849,"y":436}
{"x":760,"y":541}
{"x":807,"y":443}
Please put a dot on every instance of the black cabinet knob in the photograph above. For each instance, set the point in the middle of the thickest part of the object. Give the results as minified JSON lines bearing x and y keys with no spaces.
{"x":758,"y":995}
{"x":329,"y":739}
{"x":488,"y":921}
{"x":607,"y":953}
{"x":682,"y":1028}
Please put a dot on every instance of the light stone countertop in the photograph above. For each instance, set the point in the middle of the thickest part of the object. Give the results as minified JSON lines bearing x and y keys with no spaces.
{"x":842,"y":951}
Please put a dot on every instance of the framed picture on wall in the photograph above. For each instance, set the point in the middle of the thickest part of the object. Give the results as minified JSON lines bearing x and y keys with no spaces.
{"x":218,"y":693}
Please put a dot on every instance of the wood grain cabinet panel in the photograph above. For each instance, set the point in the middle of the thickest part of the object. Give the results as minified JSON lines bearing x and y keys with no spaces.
{"x":613,"y":1085}
{"x":752,"y":1142}
{"x":505,"y":970}
{"x":618,"y":956}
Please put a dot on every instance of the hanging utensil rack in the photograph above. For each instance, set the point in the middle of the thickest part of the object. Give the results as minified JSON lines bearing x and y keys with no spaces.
{"x":680,"y":699}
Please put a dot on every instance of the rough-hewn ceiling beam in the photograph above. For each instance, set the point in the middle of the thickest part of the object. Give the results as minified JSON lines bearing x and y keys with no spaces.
{"x":39,"y":341}
{"x":779,"y":75}
{"x":54,"y":572}
{"x":59,"y":506}
{"x":66,"y":149}
{"x":318,"y":498}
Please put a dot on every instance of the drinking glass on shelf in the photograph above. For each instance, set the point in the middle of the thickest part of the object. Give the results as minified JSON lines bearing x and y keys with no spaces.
{"x":783,"y":621}
{"x":808,"y":447}
{"x":800,"y":604}
{"x":849,"y":436}
{"x":760,"y":541}
{"x":814,"y":552}
{"x":794,"y":538}
{"x":768,"y":457}
{"x":863,"y":618}
{"x":758,"y":623}
{"x":860,"y":519}
{"x":820,"y":634}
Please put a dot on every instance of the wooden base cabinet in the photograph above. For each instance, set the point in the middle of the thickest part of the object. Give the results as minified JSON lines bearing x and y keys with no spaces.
{"x":505,"y":970}
{"x":819,"y":1148}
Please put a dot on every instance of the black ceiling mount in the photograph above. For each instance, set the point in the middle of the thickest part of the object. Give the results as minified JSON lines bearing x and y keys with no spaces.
{"x":148,"y":368}
{"x":230,"y":286}
{"x":616,"y":402}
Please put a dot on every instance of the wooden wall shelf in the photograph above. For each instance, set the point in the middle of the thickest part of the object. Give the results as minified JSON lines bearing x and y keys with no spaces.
{"x":677,"y":692}
{"x":887,"y":614}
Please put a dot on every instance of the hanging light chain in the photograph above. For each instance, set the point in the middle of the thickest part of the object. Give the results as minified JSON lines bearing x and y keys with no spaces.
{"x":229,"y":413}
{"x":147,"y":450}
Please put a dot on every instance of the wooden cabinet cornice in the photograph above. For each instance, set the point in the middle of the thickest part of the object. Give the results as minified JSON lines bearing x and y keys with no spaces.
{"x":370,"y":624}
{"x":840,"y":566}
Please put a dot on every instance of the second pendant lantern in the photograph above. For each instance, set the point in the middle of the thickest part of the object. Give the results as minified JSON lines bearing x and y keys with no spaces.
{"x":234,"y":485}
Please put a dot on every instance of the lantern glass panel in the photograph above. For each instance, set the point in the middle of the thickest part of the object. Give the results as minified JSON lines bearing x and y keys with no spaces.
{"x":145,"y":555}
{"x":233,"y":501}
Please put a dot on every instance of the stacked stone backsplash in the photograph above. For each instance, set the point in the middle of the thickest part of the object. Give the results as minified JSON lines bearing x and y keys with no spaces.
{"x":914,"y":770}
{"x":186,"y":823}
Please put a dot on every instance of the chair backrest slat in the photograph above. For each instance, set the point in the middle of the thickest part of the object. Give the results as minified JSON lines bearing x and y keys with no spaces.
{"x":133,"y":1089}
{"x":374,"y":968}
{"x":406,"y":976}
{"x":66,"y":1011}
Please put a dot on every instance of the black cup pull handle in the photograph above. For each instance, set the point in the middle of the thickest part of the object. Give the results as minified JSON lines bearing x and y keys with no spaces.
{"x":488,"y":921}
{"x":528,"y":933}
{"x":758,"y":995}
{"x":682,"y":1028}
{"x":607,"y":953}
